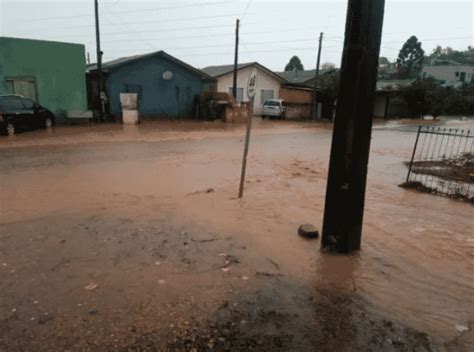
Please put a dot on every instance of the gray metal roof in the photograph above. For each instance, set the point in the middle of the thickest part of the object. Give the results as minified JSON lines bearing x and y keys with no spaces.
{"x":125,"y":60}
{"x":217,"y":71}
{"x":301,"y":77}
{"x":220,"y":70}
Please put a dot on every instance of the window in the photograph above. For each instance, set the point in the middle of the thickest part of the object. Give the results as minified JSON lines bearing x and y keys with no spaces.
{"x":265,"y":94}
{"x":462,"y":77}
{"x":10,"y":103}
{"x":25,"y":87}
{"x":240,"y":94}
{"x":28,"y":104}
{"x":272,"y":103}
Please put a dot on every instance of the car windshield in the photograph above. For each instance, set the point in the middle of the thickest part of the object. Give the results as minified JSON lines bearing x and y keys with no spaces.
{"x":272,"y":103}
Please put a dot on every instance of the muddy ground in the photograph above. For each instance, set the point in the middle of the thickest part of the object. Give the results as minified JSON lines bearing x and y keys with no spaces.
{"x":132,"y":239}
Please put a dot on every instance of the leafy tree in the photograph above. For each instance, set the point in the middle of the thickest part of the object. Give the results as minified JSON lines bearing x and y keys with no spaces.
{"x":410,"y":58}
{"x":294,"y":64}
{"x":442,"y":55}
{"x":328,"y":89}
{"x":425,"y":96}
{"x":384,"y":61}
{"x":328,"y":66}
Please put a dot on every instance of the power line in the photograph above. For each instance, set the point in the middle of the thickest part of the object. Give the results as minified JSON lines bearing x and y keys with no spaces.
{"x":144,"y":22}
{"x":129,"y":11}
{"x":246,"y":8}
{"x":254,"y":51}
{"x":216,"y":35}
{"x":230,"y":45}
{"x":168,"y":30}
{"x":124,"y":22}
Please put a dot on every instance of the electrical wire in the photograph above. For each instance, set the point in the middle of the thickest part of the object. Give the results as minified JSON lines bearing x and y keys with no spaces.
{"x":129,"y":11}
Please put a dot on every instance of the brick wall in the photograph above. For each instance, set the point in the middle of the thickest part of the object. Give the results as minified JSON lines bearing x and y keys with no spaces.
{"x":296,"y":95}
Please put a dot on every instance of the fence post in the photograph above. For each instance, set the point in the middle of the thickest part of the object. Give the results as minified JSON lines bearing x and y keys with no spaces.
{"x":413,"y":154}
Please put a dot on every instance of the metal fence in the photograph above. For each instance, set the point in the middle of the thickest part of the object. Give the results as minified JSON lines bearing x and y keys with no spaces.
{"x":442,"y":162}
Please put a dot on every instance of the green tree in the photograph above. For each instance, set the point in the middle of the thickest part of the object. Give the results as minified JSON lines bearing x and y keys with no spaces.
{"x":425,"y":96}
{"x":383,"y":61}
{"x":442,"y":55}
{"x":294,"y":64}
{"x":410,"y":58}
{"x":328,"y":66}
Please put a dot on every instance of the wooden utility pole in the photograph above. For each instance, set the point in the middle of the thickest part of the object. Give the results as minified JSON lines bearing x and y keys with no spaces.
{"x":236,"y":58}
{"x":99,"y":63}
{"x":345,"y":195}
{"x":251,"y":91}
{"x":316,"y":74}
{"x":246,"y":148}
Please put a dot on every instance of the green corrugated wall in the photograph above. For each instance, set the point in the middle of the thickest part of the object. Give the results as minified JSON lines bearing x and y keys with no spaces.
{"x":57,"y":68}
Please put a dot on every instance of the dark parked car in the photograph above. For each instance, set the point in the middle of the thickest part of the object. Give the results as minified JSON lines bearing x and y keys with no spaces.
{"x":21,"y":114}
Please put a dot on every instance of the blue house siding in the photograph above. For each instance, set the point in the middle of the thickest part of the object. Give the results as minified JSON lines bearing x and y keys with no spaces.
{"x":157,"y":96}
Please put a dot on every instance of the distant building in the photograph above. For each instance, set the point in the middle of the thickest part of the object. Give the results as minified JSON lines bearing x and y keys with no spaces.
{"x":51,"y":73}
{"x":166,"y":86}
{"x":449,"y":74}
{"x":268,"y":82}
{"x":388,"y":100}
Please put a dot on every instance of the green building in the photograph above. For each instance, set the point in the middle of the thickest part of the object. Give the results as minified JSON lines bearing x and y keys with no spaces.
{"x":51,"y":73}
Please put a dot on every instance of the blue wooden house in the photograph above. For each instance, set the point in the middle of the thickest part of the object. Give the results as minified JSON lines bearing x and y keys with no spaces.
{"x":166,"y":86}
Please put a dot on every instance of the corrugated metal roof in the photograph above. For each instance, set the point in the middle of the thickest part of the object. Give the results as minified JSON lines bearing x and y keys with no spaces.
{"x":125,"y":60}
{"x":220,"y":70}
{"x":217,"y":71}
{"x":302,"y":76}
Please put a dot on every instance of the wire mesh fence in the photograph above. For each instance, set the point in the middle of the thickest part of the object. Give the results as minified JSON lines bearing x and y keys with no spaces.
{"x":442,"y":162}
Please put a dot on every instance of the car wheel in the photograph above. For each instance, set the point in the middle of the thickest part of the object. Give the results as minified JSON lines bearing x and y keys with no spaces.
{"x":10,"y":129}
{"x":48,"y":123}
{"x":263,"y":117}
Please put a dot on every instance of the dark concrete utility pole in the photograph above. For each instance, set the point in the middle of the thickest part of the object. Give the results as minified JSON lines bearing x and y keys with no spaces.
{"x":345,"y":194}
{"x":236,"y":59}
{"x":99,"y":63}
{"x":316,"y":75}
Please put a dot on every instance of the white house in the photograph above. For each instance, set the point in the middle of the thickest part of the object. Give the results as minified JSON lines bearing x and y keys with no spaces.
{"x":450,"y":75}
{"x":268,"y":82}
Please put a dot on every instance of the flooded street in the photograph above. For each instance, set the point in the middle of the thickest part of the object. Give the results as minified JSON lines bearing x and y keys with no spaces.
{"x":132,"y":238}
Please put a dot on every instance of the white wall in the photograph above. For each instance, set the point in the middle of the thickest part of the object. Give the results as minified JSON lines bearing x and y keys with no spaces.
{"x":448,"y":73}
{"x":264,"y":81}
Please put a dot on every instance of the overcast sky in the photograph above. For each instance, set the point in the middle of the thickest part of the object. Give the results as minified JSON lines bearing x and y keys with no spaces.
{"x":201,"y":32}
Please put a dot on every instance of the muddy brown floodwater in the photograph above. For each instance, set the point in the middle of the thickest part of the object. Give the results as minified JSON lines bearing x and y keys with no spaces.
{"x":132,"y":238}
